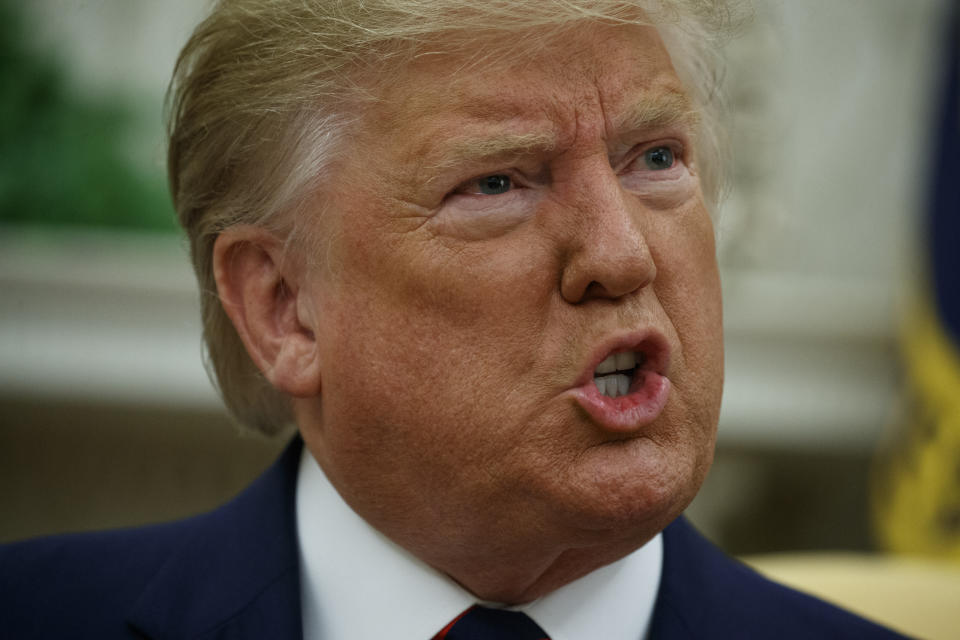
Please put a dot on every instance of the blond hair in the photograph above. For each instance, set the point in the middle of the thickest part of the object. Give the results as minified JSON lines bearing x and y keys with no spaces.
{"x":264,"y":91}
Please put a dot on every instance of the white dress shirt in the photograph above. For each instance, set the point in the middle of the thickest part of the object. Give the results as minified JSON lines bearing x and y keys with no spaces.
{"x":355,"y":584}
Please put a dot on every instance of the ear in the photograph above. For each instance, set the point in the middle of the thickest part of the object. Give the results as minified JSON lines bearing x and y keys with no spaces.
{"x":261,"y":293}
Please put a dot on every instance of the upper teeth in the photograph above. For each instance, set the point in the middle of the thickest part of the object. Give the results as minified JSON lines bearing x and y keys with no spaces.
{"x":617,"y":362}
{"x":617,"y":384}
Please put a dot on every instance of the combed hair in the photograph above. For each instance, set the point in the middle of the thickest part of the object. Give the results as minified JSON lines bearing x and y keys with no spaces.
{"x":265,"y":91}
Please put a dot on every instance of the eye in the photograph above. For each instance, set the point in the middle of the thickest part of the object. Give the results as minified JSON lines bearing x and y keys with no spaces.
{"x":658,"y":158}
{"x":491,"y":190}
{"x":491,"y":185}
{"x":658,"y":169}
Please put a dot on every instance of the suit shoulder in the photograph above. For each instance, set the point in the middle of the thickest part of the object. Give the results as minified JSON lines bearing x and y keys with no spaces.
{"x":65,"y":579}
{"x":177,"y":579}
{"x":703,"y":588}
{"x":96,"y":556}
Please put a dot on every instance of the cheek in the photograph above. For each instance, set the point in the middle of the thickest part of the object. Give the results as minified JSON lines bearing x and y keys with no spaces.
{"x":688,"y":286}
{"x":683,"y":247}
{"x":481,"y":291}
{"x":417,"y":315}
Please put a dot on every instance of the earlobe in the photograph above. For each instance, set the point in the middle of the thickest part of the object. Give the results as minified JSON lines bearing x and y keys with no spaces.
{"x":262,"y":294}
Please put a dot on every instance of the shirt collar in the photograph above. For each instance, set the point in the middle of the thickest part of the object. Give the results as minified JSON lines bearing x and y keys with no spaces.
{"x":356,"y":583}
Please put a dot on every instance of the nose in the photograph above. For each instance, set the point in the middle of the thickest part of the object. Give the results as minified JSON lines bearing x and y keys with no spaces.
{"x":607,"y":255}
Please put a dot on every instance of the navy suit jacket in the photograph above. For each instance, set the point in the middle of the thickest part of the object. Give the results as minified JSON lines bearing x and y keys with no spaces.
{"x":234,"y":574}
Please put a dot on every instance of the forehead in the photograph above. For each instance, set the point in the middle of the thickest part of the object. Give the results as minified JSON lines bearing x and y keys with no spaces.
{"x":620,"y":74}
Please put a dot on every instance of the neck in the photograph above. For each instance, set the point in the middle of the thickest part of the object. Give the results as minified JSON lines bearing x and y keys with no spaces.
{"x":514,"y":582}
{"x":505,"y":551}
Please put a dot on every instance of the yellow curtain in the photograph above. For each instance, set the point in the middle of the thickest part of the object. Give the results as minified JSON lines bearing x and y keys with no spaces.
{"x":917,"y":500}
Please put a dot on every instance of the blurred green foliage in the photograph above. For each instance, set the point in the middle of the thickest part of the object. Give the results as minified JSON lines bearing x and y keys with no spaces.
{"x":63,"y":160}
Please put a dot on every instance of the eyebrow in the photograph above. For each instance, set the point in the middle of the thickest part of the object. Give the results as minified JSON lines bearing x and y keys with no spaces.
{"x":649,"y":112}
{"x":656,"y":111}
{"x":492,"y":148}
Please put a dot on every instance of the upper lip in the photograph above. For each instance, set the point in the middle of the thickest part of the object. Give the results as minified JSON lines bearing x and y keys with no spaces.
{"x":651,"y":343}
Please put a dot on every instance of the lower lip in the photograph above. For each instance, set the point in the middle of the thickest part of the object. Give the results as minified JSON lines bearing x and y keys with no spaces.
{"x":624,"y":414}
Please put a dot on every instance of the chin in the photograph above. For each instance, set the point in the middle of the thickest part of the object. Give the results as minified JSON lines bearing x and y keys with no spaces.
{"x":633,"y":488}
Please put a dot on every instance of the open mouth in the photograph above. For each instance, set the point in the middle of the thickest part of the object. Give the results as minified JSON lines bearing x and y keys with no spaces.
{"x":617,"y":373}
{"x":629,"y":387}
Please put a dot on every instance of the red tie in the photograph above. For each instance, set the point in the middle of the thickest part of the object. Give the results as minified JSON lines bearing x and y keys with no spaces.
{"x":484,"y":623}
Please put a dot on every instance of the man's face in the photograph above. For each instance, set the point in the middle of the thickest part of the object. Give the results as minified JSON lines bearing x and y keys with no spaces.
{"x":498,"y":230}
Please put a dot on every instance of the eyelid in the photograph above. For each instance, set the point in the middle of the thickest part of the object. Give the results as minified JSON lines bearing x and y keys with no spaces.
{"x":516,"y":181}
{"x":636,"y":154}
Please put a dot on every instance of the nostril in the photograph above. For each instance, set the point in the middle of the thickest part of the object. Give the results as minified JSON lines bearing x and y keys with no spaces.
{"x":611,"y":278}
{"x":595,"y":290}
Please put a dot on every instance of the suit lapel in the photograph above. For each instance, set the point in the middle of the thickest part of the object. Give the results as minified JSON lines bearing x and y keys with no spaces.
{"x":236,"y":574}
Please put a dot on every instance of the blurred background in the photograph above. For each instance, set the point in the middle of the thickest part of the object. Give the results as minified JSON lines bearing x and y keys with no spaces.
{"x":107,"y":417}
